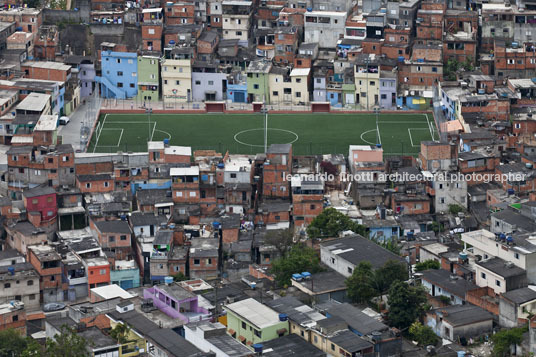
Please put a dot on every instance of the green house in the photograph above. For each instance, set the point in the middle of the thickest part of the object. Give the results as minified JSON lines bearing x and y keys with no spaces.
{"x":148,"y":79}
{"x":251,"y":322}
{"x":258,"y":81}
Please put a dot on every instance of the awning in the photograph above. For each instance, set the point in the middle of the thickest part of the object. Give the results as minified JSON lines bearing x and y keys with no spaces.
{"x":165,"y":204}
{"x":241,"y":338}
{"x":231,"y":331}
{"x":281,"y":331}
{"x":418,"y":101}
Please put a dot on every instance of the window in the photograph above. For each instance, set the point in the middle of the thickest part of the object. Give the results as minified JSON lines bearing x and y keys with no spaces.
{"x":257,"y":333}
{"x":312,"y":207}
{"x":65,"y":158}
{"x":196,"y":261}
{"x":298,"y":94}
{"x":120,"y":73}
{"x":483,"y":275}
{"x":7,"y":285}
{"x":29,"y":282}
{"x":298,"y":80}
{"x":210,"y":83}
{"x":151,"y":31}
{"x":35,"y":201}
{"x":192,"y":194}
{"x":197,"y":83}
{"x":372,"y":83}
{"x":88,"y":185}
{"x":255,"y":86}
{"x":383,"y":96}
{"x":119,"y":85}
{"x":243,"y":325}
{"x":516,"y":255}
{"x":106,"y":184}
{"x":178,"y":194}
{"x":275,"y":93}
{"x":332,"y":347}
{"x":178,"y":83}
{"x":123,"y":237}
{"x":497,"y":282}
{"x":111,"y":239}
{"x":102,"y":272}
{"x":350,"y":270}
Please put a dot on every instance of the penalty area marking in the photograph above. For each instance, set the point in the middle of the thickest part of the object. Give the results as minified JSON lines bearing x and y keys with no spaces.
{"x":262,"y":129}
{"x":411,"y":138}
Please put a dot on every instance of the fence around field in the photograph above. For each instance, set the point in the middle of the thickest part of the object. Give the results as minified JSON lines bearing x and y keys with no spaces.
{"x":393,"y":149}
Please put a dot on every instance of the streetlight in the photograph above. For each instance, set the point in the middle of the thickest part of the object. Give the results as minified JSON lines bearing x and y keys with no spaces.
{"x":377,"y":110}
{"x":264,"y":110}
{"x":149,"y":111}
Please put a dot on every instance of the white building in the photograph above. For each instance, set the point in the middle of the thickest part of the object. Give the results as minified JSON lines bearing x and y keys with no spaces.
{"x":324,"y":27}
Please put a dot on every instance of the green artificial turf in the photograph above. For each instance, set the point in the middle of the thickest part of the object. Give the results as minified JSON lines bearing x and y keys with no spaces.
{"x":321,"y":133}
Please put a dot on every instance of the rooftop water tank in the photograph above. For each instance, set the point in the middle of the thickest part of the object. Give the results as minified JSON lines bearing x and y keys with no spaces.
{"x":168,"y":280}
{"x":283,"y":317}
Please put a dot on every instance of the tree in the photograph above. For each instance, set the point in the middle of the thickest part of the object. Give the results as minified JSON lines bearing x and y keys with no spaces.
{"x":179,"y":276}
{"x":424,"y":335}
{"x":67,"y":344}
{"x":385,"y":276}
{"x":12,"y":343}
{"x":282,"y":240}
{"x":120,"y":333}
{"x":360,"y":285}
{"x":427,"y":264}
{"x":503,"y":339}
{"x":455,"y":209}
{"x":298,"y":259}
{"x":406,"y":304}
{"x":330,"y":223}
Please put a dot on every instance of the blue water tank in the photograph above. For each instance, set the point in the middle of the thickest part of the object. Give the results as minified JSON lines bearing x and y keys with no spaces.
{"x":297,"y":277}
{"x":378,"y":146}
{"x":171,"y":42}
{"x":166,"y":141}
{"x":461,"y":353}
{"x":463,"y":256}
{"x":420,"y":60}
{"x":221,"y":165}
{"x":401,"y":58}
{"x":509,"y":239}
{"x":216,"y":225}
{"x":171,"y":226}
{"x":257,"y":348}
{"x":18,"y":29}
{"x":306,"y":275}
{"x":502,"y":236}
{"x":11,"y":270}
{"x":511,"y":191}
{"x":283,"y":317}
{"x":168,"y":280}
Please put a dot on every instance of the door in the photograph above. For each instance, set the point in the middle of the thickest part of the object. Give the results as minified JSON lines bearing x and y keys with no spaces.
{"x":239,"y":97}
{"x":127,"y":284}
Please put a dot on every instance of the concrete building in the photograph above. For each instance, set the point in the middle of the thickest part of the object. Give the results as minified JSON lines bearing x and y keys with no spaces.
{"x":457,"y":321}
{"x":499,"y":275}
{"x":20,"y":282}
{"x":300,"y":85}
{"x":388,"y":90}
{"x":148,"y":79}
{"x":265,"y":323}
{"x":208,"y":83}
{"x":176,"y":80}
{"x":258,"y":73}
{"x":515,"y":248}
{"x":213,"y":337}
{"x":324,"y":27}
{"x":343,"y":255}
{"x":367,"y":82}
{"x":516,"y":307}
{"x":236,"y":20}
{"x":119,"y":77}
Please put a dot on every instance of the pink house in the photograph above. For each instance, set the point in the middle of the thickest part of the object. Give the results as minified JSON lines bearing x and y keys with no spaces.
{"x":176,"y":302}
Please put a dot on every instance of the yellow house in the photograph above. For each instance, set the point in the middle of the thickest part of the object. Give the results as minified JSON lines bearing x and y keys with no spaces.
{"x":332,"y":336}
{"x":300,"y":85}
{"x":176,"y":80}
{"x":279,"y":85}
{"x":136,"y":343}
{"x":367,"y":83}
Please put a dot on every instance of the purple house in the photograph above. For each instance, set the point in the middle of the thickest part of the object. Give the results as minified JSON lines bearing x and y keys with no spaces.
{"x":176,"y":302}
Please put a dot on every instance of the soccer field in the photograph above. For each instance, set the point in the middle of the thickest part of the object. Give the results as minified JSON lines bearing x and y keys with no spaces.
{"x":310,"y":134}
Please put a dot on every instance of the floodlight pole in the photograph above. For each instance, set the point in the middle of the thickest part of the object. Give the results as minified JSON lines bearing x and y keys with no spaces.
{"x":264,"y":110}
{"x":377,"y":112}
{"x":149,"y":111}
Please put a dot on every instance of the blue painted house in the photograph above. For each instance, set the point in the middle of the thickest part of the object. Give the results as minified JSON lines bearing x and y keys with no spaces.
{"x":237,"y":88}
{"x":119,"y":77}
{"x":382,"y":230}
{"x":126,"y":274}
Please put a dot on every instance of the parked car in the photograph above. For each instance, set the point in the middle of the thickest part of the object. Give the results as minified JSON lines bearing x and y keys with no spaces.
{"x":64,"y":120}
{"x":53,"y":306}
